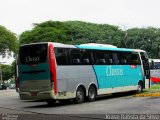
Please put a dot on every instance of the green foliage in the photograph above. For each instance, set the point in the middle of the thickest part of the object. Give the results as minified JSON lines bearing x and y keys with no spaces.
{"x":147,"y":39}
{"x":97,"y":33}
{"x":46,"y":32}
{"x":71,"y":32}
{"x":77,"y":32}
{"x":8,"y":41}
{"x":7,"y":72}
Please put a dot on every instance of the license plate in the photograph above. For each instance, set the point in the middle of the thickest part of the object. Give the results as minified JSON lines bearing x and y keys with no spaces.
{"x":34,"y":94}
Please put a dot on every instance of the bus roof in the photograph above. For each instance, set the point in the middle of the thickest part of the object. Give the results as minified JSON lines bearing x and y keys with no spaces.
{"x":94,"y":46}
{"x":54,"y":44}
{"x":102,"y":47}
{"x":98,"y":45}
{"x":139,"y":50}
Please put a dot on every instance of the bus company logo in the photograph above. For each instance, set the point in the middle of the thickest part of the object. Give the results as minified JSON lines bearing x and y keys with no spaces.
{"x":32,"y":59}
{"x":112,"y":71}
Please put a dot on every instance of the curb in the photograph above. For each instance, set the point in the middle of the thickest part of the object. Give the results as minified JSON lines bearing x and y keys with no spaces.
{"x":147,"y":95}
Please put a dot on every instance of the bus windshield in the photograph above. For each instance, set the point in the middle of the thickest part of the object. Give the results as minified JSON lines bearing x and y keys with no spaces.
{"x":33,"y":54}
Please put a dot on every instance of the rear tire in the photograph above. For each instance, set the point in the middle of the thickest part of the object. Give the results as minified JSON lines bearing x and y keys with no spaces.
{"x":79,"y":95}
{"x":91,"y":93}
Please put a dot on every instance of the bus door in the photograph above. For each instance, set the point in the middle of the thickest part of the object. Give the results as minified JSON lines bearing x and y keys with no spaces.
{"x":145,"y":65}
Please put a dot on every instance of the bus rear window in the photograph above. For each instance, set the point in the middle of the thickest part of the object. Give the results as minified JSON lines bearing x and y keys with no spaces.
{"x":33,"y":54}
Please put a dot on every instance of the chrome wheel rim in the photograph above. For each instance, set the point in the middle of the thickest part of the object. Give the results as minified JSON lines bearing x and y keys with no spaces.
{"x":79,"y":96}
{"x":91,"y":94}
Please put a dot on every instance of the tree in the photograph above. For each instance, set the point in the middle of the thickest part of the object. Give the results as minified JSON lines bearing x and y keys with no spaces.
{"x":8,"y":41}
{"x":46,"y":32}
{"x":78,"y":32}
{"x":6,"y":72}
{"x":72,"y":32}
{"x":143,"y":38}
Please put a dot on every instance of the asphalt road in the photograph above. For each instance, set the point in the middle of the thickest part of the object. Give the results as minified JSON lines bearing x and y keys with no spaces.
{"x":116,"y":104}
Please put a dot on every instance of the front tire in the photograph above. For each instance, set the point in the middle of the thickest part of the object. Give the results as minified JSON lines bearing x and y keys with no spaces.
{"x":79,"y":95}
{"x":140,"y":87}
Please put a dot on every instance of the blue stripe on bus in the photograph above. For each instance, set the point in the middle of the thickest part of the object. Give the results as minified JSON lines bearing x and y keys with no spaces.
{"x":96,"y":76}
{"x":110,"y":76}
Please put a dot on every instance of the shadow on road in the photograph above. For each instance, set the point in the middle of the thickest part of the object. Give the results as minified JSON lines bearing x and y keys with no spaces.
{"x":71,"y":102}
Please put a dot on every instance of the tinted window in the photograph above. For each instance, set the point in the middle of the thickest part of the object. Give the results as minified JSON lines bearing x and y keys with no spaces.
{"x":113,"y":58}
{"x":134,"y":59}
{"x":123,"y":58}
{"x":86,"y":57}
{"x":106,"y":58}
{"x":33,"y":54}
{"x":75,"y":57}
{"x":99,"y":58}
{"x":157,"y":65}
{"x":62,"y":56}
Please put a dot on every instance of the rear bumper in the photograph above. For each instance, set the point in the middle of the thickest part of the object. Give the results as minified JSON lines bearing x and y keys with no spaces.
{"x":38,"y":96}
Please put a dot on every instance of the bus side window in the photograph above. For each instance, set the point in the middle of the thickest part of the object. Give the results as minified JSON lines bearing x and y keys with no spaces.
{"x":110,"y":61}
{"x":61,"y":56}
{"x":123,"y":57}
{"x":115,"y":59}
{"x":99,"y":58}
{"x":75,"y":57}
{"x":86,"y":57}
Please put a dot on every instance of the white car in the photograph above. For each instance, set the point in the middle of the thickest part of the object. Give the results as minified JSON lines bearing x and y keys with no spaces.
{"x":12,"y":86}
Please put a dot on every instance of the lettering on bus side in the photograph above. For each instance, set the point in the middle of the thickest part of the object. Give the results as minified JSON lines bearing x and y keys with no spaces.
{"x":32,"y":59}
{"x":112,"y":72}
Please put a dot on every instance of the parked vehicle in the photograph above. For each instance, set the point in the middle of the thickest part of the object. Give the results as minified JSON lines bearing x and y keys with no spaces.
{"x":3,"y":87}
{"x":12,"y":86}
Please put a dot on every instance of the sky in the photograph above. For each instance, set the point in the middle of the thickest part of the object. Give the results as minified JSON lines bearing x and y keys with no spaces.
{"x":19,"y":15}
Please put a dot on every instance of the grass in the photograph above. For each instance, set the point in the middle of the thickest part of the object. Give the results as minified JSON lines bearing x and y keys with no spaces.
{"x":154,"y":91}
{"x":153,"y":88}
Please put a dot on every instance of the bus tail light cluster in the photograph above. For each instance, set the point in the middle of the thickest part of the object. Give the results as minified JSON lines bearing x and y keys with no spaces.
{"x":16,"y":77}
{"x":52,"y":67}
{"x":17,"y":84}
{"x":133,"y":66}
{"x":51,"y":78}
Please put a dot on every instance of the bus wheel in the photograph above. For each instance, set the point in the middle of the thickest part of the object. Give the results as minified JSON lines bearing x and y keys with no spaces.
{"x":140,"y":87}
{"x":79,"y":95}
{"x":51,"y":102}
{"x":91,"y":93}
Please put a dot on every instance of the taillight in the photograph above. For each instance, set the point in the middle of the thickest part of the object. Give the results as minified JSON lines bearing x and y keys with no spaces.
{"x":52,"y":79}
{"x":52,"y":64}
{"x":16,"y":76}
{"x":17,"y":82}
